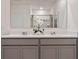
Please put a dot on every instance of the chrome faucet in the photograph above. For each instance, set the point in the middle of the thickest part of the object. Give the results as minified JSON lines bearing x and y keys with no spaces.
{"x":38,"y":29}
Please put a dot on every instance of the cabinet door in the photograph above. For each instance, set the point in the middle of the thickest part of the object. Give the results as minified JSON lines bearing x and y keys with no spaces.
{"x":67,"y":52}
{"x":49,"y":52}
{"x":29,"y":52}
{"x":10,"y":52}
{"x":21,"y":52}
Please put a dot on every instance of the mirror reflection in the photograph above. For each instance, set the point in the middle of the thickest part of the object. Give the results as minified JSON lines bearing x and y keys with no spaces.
{"x":44,"y":21}
{"x":34,"y":13}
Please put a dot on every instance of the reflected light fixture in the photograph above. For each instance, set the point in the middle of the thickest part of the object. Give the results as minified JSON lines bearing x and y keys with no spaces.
{"x":41,"y":8}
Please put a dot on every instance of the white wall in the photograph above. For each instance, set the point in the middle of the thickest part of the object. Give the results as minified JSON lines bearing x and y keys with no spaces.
{"x":5,"y":16}
{"x":72,"y":15}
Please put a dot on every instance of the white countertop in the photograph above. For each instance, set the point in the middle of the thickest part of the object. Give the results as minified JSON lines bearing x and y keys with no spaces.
{"x":47,"y":34}
{"x":41,"y":36}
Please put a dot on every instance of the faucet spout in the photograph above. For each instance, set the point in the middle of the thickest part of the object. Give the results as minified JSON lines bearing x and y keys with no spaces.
{"x":38,"y":29}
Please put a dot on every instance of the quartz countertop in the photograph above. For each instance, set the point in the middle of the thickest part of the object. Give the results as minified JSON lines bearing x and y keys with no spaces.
{"x":41,"y":36}
{"x":59,"y":33}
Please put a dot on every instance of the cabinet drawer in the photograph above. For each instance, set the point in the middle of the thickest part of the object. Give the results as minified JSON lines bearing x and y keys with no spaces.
{"x":19,"y":41}
{"x":58,"y":41}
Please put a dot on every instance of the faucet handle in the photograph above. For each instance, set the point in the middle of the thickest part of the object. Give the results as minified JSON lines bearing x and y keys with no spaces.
{"x":43,"y":29}
{"x":24,"y":33}
{"x":53,"y":33}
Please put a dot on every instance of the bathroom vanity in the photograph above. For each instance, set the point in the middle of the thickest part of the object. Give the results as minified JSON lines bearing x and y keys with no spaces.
{"x":39,"y":29}
{"x":39,"y":47}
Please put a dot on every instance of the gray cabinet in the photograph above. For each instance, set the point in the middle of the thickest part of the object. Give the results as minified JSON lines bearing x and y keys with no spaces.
{"x":19,"y":48}
{"x":58,"y":49}
{"x":58,"y":41}
{"x":19,"y":52}
{"x":19,"y":42}
{"x":58,"y":52}
{"x":29,"y":52}
{"x":10,"y":52}
{"x":38,"y":48}
{"x":49,"y":52}
{"x":67,"y":52}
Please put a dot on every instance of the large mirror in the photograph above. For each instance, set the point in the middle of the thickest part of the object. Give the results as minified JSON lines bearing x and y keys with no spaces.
{"x":31,"y":13}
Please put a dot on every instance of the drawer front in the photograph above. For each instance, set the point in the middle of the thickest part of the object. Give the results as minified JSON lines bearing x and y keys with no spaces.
{"x":58,"y":41}
{"x":19,"y":41}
